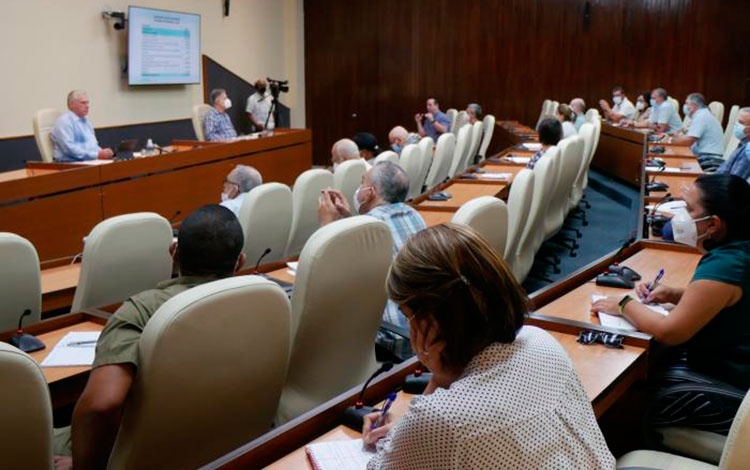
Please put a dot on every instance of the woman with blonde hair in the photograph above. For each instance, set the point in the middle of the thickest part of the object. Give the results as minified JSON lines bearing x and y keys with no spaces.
{"x":567,"y":117}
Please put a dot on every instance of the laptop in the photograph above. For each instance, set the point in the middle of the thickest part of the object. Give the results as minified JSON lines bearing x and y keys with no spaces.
{"x":125,"y":149}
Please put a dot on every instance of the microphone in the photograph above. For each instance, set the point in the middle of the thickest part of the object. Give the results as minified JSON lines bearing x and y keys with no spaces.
{"x":257,"y":265}
{"x":616,"y":275}
{"x":354,"y":416}
{"x":24,"y":341}
{"x":654,"y":185}
{"x":657,"y":222}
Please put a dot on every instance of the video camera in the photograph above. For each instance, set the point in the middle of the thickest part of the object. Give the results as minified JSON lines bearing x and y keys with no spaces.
{"x":277,"y":87}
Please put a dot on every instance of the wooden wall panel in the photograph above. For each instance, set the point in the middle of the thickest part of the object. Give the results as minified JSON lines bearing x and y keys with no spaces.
{"x":371,"y":65}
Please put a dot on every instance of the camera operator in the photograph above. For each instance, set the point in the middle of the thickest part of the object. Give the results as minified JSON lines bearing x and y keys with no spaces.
{"x":434,"y":122}
{"x":259,"y":107}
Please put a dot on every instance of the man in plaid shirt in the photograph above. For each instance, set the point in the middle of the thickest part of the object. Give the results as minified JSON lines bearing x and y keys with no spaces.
{"x":216,"y":122}
{"x":381,"y":195}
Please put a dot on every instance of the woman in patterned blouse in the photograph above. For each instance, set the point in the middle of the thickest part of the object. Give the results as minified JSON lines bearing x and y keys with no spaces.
{"x":502,"y":395}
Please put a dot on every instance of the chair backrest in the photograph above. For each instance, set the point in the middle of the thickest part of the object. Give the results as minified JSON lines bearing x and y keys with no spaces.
{"x":728,"y":130}
{"x":26,"y":413}
{"x":199,"y":112}
{"x":487,"y":215}
{"x":441,"y":162}
{"x":266,"y":219}
{"x":732,"y":145}
{"x":411,"y":163}
{"x":462,"y":143}
{"x":675,"y":104}
{"x":212,"y":365}
{"x":543,"y":113}
{"x":586,"y":132}
{"x":427,"y":146}
{"x":572,"y":166}
{"x":348,"y":177}
{"x":387,"y":156}
{"x":476,"y":138}
{"x":553,"y":219}
{"x":123,"y":256}
{"x":736,"y":453}
{"x":305,"y":195}
{"x":461,"y":119}
{"x":43,"y":122}
{"x":337,"y":306}
{"x":519,"y":204}
{"x":597,"y":133}
{"x":452,"y":116}
{"x":592,"y":115}
{"x":20,"y":281}
{"x":717,"y":109}
{"x":488,"y":129}
{"x":553,"y":108}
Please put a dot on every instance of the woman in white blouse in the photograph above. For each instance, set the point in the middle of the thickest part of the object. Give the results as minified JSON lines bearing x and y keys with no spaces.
{"x":502,"y":395}
{"x":567,"y":117}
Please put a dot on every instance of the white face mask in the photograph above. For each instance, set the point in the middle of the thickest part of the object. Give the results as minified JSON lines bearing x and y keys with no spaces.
{"x":227,"y":103}
{"x":685,"y":229}
{"x":357,"y":203}
{"x":639,"y":106}
{"x":617,"y":99}
{"x":224,"y":197}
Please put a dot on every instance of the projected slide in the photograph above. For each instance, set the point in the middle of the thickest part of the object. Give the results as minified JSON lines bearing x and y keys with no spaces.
{"x":163,"y":47}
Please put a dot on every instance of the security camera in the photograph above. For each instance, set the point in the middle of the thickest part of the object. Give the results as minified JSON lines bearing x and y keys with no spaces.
{"x":118,"y":16}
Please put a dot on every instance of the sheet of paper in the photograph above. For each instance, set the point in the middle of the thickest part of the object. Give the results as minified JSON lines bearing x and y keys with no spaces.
{"x":522,"y":160}
{"x":64,"y":354}
{"x":616,"y":321}
{"x":497,"y":176}
{"x":292,"y":265}
{"x":93,"y":162}
{"x":532,"y":146}
{"x":339,"y":455}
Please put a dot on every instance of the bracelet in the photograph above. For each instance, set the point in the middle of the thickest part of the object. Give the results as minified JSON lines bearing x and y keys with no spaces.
{"x":621,"y":305}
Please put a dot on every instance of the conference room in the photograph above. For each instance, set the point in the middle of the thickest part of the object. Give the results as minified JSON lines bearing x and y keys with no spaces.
{"x":375,"y":235}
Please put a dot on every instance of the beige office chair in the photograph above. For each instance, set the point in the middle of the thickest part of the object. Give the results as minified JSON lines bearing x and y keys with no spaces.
{"x":123,"y":256}
{"x":569,"y":166}
{"x":553,"y":109}
{"x":305,"y":196}
{"x":441,"y":162}
{"x":462,"y":148}
{"x":519,"y":205}
{"x":473,"y":148}
{"x":452,"y":116}
{"x":675,"y":104}
{"x":199,"y":112}
{"x":427,"y":146}
{"x":266,"y":219}
{"x":213,"y":362}
{"x":592,"y":115}
{"x":586,"y":132}
{"x":543,"y":113}
{"x":387,"y":156}
{"x":411,"y":163}
{"x":735,"y":454}
{"x":43,"y":123}
{"x":595,"y":144}
{"x":488,"y":128}
{"x":26,"y":413}
{"x":337,"y":307}
{"x":487,"y":215}
{"x":545,"y":173}
{"x":732,"y":145}
{"x":348,"y":177}
{"x":728,"y":130}
{"x":461,"y":119}
{"x":717,"y":109}
{"x":20,"y":282}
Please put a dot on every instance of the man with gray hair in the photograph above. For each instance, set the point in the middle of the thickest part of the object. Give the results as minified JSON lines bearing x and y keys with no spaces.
{"x":738,"y":163}
{"x":73,"y":135}
{"x":240,"y":181}
{"x":704,"y":135}
{"x":399,"y":138}
{"x":381,"y":195}
{"x":474,"y":112}
{"x":579,"y":107}
{"x":216,"y":123}
{"x":343,"y":150}
{"x":664,"y":118}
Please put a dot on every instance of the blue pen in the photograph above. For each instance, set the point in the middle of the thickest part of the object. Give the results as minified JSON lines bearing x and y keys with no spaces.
{"x":655,"y":283}
{"x":381,"y":418}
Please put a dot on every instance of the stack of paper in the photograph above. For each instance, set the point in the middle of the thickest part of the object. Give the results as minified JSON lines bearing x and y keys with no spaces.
{"x":497,"y":176}
{"x":533,"y":146}
{"x":616,"y":321}
{"x":75,"y":349}
{"x":339,"y":455}
{"x":292,"y":265}
{"x":521,"y":160}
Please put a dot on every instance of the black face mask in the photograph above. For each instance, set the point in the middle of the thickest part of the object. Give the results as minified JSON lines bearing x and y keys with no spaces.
{"x":262,"y":90}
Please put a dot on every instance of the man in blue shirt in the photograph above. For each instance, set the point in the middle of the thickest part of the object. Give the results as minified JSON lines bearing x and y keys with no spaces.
{"x":738,"y":163}
{"x":579,"y":107}
{"x":73,"y":135}
{"x":664,"y":118}
{"x":434,"y":122}
{"x":704,"y":135}
{"x":381,"y":195}
{"x":216,"y":123}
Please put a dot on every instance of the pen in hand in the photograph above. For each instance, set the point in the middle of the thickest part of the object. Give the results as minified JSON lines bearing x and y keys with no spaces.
{"x":381,"y":418}
{"x":653,"y":284}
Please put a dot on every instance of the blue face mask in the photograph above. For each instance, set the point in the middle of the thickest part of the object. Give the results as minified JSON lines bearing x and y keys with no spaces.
{"x":396,"y":148}
{"x":652,"y":103}
{"x":739,"y":131}
{"x":685,"y":110}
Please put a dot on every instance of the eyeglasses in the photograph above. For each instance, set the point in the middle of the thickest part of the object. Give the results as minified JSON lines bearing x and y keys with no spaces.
{"x":610,"y":340}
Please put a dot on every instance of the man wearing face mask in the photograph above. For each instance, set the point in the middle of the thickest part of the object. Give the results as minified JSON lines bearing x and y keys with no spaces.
{"x":259,"y":106}
{"x":399,"y":138}
{"x":704,"y":135}
{"x":208,"y":247}
{"x":381,"y":195}
{"x":739,"y":162}
{"x":216,"y":123}
{"x":622,"y":108}
{"x":709,"y":328}
{"x":664,"y":118}
{"x":240,"y":181}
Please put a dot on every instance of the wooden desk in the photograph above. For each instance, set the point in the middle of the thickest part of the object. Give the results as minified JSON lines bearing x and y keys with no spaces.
{"x":65,"y":383}
{"x":37,"y":202}
{"x":571,"y":299}
{"x":462,"y":193}
{"x":620,"y":153}
{"x":689,"y":164}
{"x":672,"y":150}
{"x":59,"y":286}
{"x":432,"y":218}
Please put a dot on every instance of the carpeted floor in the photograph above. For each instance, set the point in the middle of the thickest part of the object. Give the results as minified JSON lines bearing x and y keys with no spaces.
{"x":612,"y":218}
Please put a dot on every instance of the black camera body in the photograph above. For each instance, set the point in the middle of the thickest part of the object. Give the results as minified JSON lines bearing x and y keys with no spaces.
{"x":277,"y":87}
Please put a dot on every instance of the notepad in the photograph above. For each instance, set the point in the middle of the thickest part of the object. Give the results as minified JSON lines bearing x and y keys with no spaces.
{"x":532,"y":146}
{"x":65,"y":355}
{"x":93,"y":162}
{"x":497,"y":176}
{"x":617,"y":321}
{"x":339,"y":455}
{"x":522,"y":160}
{"x":667,"y":169}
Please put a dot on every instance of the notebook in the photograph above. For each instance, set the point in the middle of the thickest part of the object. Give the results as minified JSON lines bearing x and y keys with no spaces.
{"x":339,"y":455}
{"x":616,"y":321}
{"x":66,"y":355}
{"x":497,"y":176}
{"x":532,"y":146}
{"x":520,"y":160}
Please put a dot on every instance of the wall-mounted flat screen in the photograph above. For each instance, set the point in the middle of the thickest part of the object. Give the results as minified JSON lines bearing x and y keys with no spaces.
{"x":164,"y":47}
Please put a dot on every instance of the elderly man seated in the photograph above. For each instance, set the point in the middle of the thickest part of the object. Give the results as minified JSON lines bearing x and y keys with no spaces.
{"x":381,"y":195}
{"x":217,"y":125}
{"x":240,"y":181}
{"x":579,"y":107}
{"x":343,"y":150}
{"x":399,"y":138}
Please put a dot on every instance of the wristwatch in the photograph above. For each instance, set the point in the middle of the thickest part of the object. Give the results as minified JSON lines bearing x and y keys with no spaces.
{"x":621,"y":305}
{"x":432,"y":121}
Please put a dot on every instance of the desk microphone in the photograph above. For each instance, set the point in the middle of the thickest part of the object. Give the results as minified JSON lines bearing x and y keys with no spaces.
{"x":24,"y":341}
{"x":257,"y":265}
{"x":354,"y":416}
{"x":657,"y":222}
{"x":616,"y":275}
{"x":654,"y":185}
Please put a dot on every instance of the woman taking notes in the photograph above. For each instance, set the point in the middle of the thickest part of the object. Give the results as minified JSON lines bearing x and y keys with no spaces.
{"x":712,"y":315}
{"x":502,"y":395}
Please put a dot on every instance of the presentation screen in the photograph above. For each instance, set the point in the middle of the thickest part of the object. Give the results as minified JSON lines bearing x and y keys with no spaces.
{"x":163,"y":47}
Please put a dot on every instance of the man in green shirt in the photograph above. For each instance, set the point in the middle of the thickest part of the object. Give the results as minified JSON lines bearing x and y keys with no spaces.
{"x":209,"y":247}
